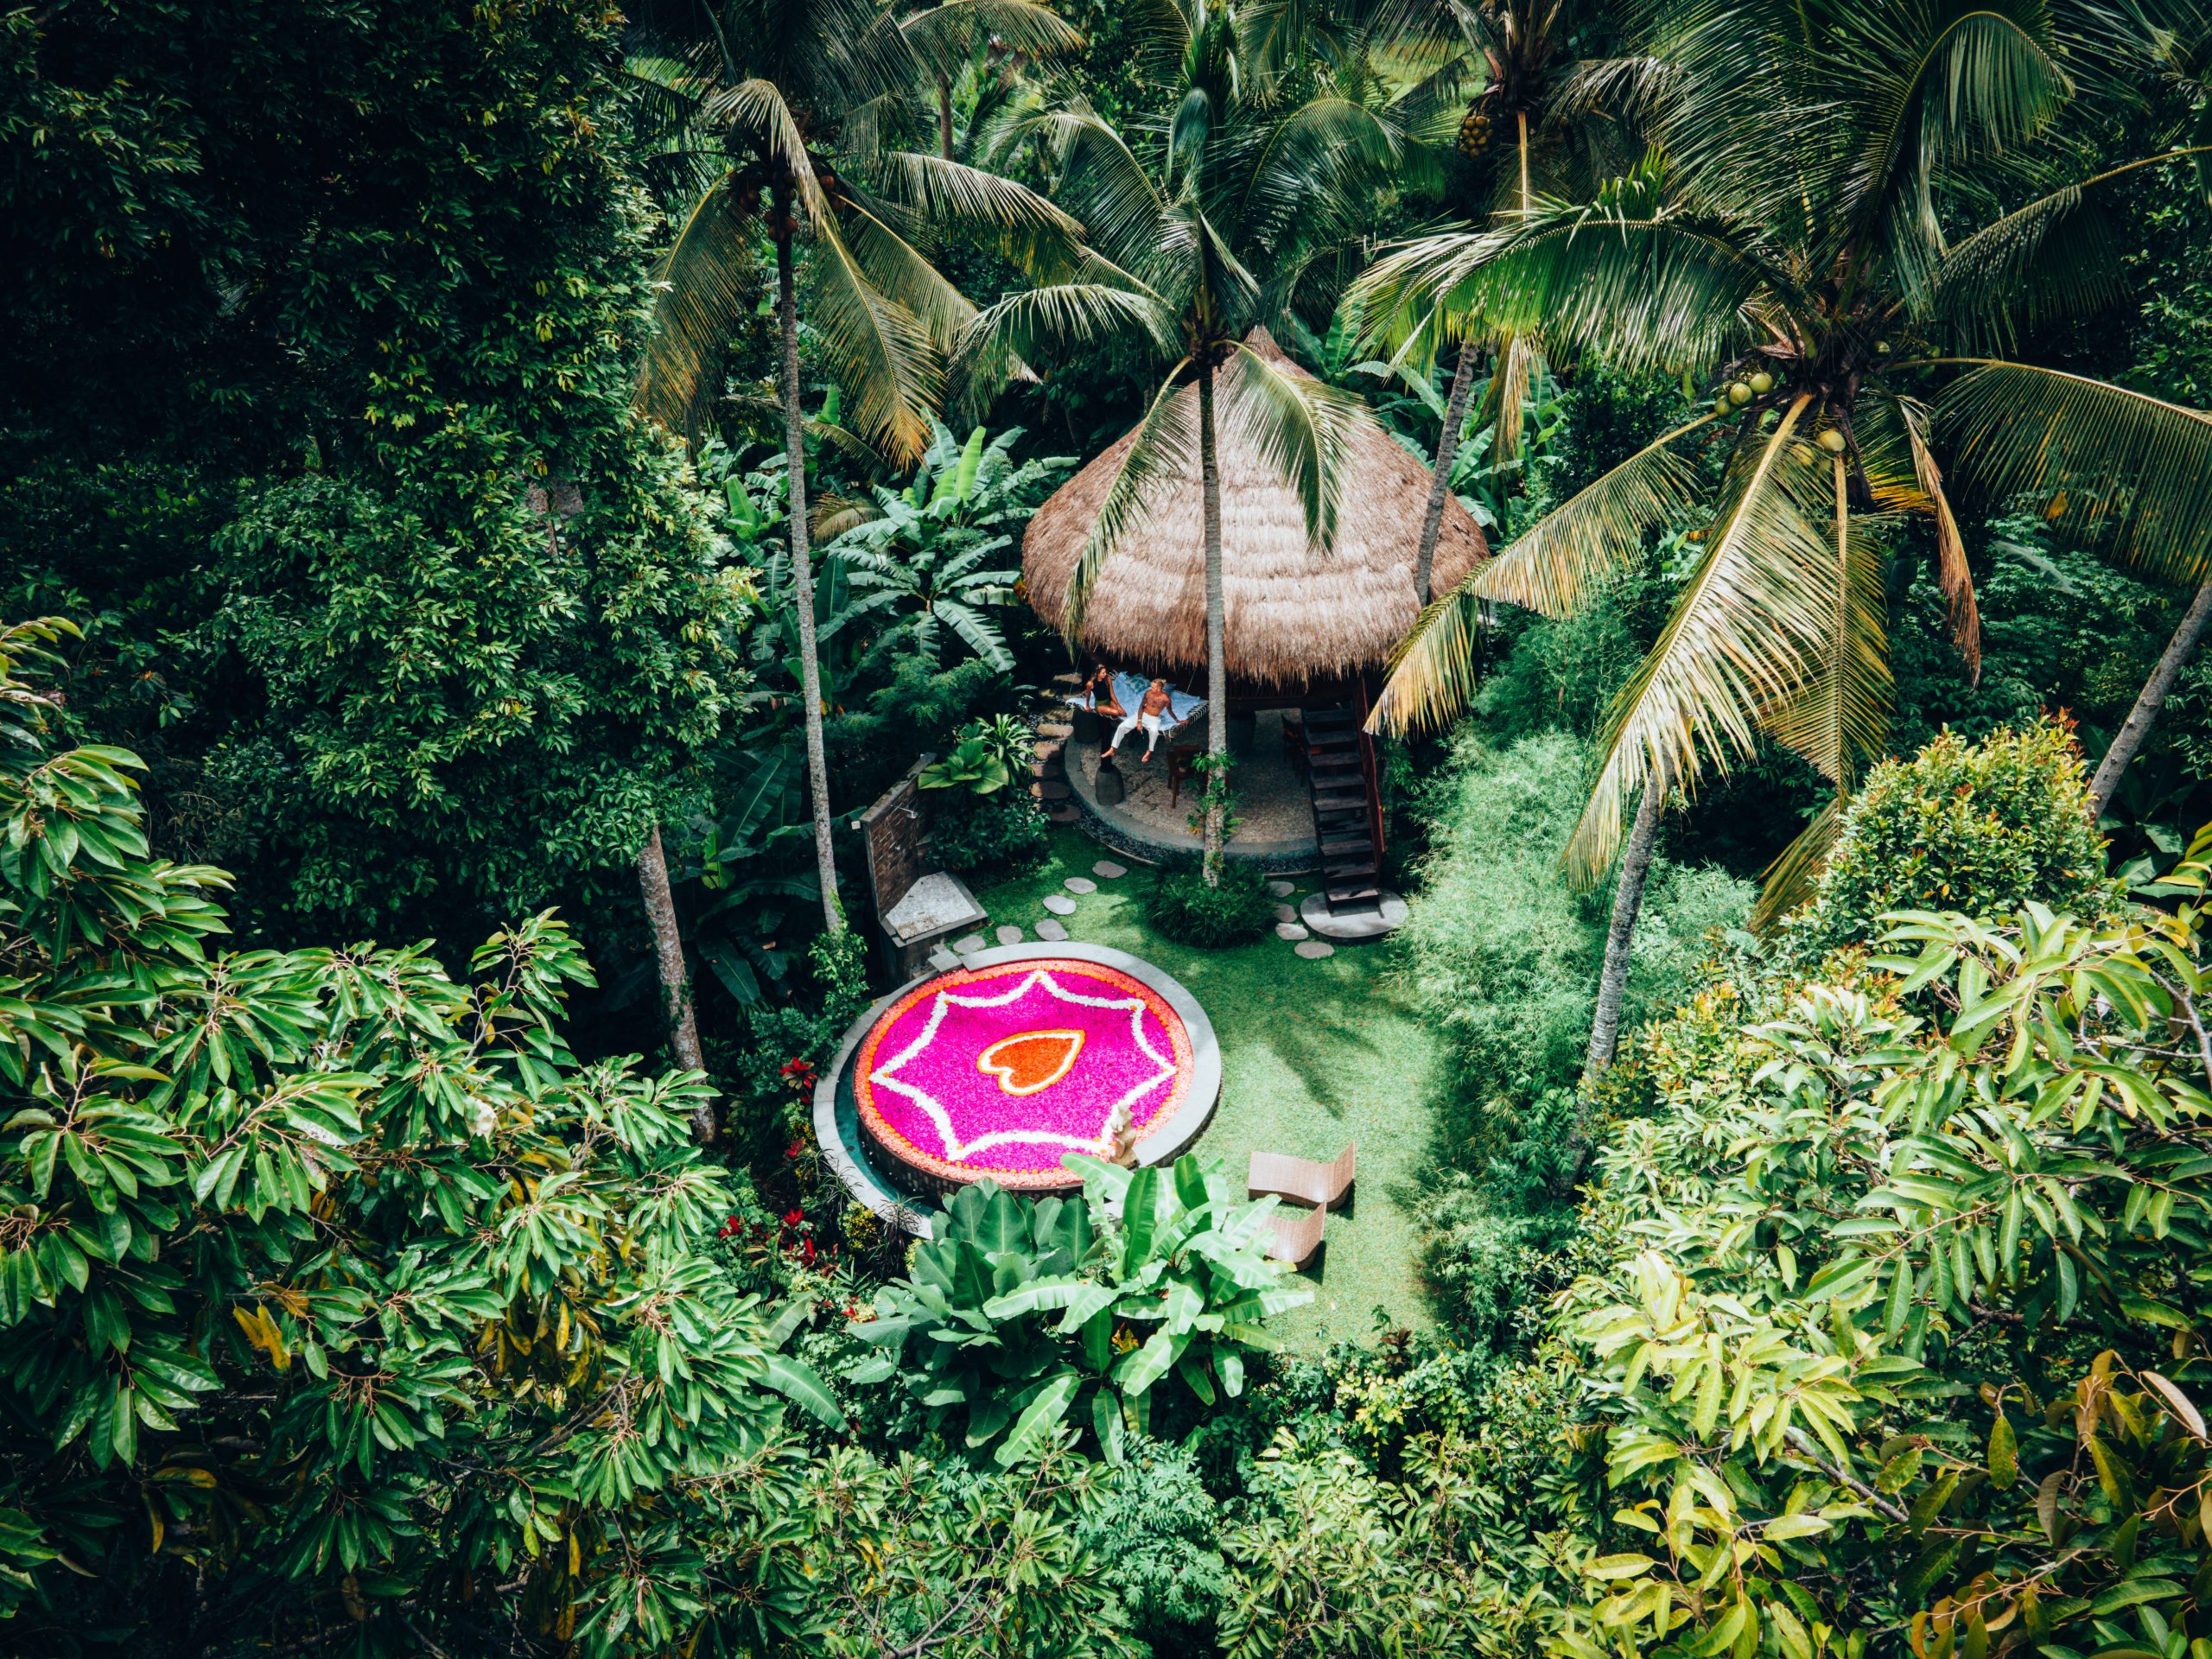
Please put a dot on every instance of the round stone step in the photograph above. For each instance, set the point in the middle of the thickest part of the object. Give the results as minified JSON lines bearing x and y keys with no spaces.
{"x":1060,"y":728}
{"x":1063,"y":812}
{"x":1010,"y":935}
{"x":1108,"y":869}
{"x":1052,"y":788}
{"x":1289,"y":930}
{"x":1080,"y":884}
{"x":1059,"y":904}
{"x":1315,"y":949}
{"x":969,"y":945}
{"x":1050,"y":932}
{"x":1287,"y":913}
{"x":1281,"y":889}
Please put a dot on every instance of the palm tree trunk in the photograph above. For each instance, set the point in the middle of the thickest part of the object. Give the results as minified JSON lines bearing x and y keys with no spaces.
{"x":1526,"y":204}
{"x":944,"y":117}
{"x":2144,"y":713}
{"x":1628,"y":899}
{"x":1217,"y":659}
{"x":810,"y":665}
{"x":675,"y":982}
{"x":1440,"y":482}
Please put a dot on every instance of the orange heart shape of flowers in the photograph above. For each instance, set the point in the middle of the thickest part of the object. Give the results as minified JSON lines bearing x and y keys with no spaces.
{"x":1030,"y":1060}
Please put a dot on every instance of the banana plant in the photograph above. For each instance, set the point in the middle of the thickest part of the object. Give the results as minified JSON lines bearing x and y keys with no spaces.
{"x":1151,"y":1274}
{"x":924,"y":556}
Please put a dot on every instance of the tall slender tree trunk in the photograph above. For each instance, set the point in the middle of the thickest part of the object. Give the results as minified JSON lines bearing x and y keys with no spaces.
{"x":1440,"y":481}
{"x":944,"y":115}
{"x":675,"y":982}
{"x":1217,"y":617}
{"x":1628,"y":899}
{"x":2144,"y":713}
{"x":1525,"y":202}
{"x":809,"y":664}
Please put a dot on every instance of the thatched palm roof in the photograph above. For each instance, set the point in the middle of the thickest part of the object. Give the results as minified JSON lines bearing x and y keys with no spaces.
{"x":1293,"y":613}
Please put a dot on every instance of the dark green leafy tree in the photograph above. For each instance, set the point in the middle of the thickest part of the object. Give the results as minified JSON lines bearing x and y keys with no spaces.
{"x":1909,"y":1334}
{"x":325,"y":343}
{"x":341,"y":1302}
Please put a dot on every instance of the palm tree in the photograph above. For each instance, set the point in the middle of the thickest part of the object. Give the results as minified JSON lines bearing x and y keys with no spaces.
{"x":953,"y":40}
{"x":787,"y":101}
{"x":1201,"y":227}
{"x":1797,"y":228}
{"x":1514,"y":52}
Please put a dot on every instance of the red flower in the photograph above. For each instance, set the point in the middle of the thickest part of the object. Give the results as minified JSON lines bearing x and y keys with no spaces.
{"x":791,"y":1153}
{"x":796,"y":1219}
{"x":729,"y":1228}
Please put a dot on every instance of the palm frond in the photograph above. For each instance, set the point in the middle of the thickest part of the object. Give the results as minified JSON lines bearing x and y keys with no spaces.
{"x":1009,"y":217}
{"x":1434,"y":669}
{"x":1938,"y":80}
{"x":875,"y":347}
{"x":756,"y":109}
{"x":1838,"y":717}
{"x":944,"y":36}
{"x":704,"y":283}
{"x":1743,"y":638}
{"x":1161,"y":451}
{"x":2118,"y":467}
{"x":1596,"y":533}
{"x":1103,"y":185}
{"x":1789,"y":881}
{"x":1507,"y":402}
{"x":898,"y":271}
{"x":1303,"y":429}
{"x":1953,"y":577}
{"x":2057,"y":257}
{"x":846,"y":441}
{"x":1037,"y":324}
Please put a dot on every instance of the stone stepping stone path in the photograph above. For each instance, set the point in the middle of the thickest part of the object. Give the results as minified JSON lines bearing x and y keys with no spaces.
{"x":1108,"y":869}
{"x":943,"y":960}
{"x":1050,"y":790}
{"x":1315,"y":949}
{"x":1080,"y":884}
{"x":1059,"y":904}
{"x":1063,"y":812}
{"x":1281,"y":889}
{"x":1011,"y":935}
{"x":970,"y":945}
{"x":1050,"y":932}
{"x":1289,"y":930}
{"x":1287,"y":913}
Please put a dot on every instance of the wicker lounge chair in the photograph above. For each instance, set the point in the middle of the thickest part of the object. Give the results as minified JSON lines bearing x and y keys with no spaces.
{"x":1297,"y":1234}
{"x":1323,"y":1185}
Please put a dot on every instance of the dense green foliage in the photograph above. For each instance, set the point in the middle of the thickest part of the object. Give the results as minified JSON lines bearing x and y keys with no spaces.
{"x":371,"y":1297}
{"x":1978,"y":828}
{"x":1183,"y":907}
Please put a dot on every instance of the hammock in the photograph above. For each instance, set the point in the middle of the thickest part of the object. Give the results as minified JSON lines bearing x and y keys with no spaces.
{"x":1129,"y":690}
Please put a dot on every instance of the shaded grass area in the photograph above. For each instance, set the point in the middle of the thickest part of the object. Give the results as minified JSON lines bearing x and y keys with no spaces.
{"x":1313,"y":1054}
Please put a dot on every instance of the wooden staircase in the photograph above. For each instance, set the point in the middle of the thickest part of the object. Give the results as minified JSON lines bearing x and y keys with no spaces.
{"x":1347,"y":804}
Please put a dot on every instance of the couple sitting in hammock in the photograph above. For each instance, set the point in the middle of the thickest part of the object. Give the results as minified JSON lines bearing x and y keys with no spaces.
{"x":1156,"y":709}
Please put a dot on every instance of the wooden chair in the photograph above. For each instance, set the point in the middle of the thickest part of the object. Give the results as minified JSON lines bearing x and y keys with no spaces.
{"x":1297,"y":1234}
{"x":1322,"y":1186}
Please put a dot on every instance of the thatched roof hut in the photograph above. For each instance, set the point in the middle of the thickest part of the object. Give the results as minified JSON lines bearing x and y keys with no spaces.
{"x":1294,"y":614}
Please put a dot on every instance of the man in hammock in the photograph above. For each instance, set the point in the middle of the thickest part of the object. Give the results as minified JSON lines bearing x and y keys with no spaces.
{"x":1149,"y":714}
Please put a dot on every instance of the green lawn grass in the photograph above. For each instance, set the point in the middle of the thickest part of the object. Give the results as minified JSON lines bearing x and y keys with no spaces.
{"x":1313,"y":1054}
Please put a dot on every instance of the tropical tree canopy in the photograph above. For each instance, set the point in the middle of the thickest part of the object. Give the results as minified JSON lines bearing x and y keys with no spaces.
{"x":1853,"y":217}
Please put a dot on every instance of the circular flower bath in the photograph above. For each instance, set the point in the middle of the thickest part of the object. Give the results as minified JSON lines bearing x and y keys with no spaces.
{"x":1002,"y":1071}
